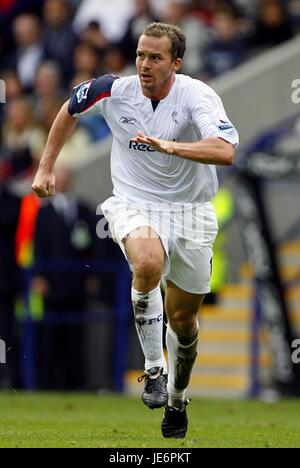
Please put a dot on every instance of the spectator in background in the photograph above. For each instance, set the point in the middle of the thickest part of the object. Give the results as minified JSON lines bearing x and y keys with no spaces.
{"x":206,"y":9}
{"x":273,"y":25}
{"x":197,"y":34}
{"x":13,"y":90}
{"x":71,"y":154}
{"x":23,"y":141}
{"x":65,"y":231}
{"x":113,"y":15}
{"x":159,"y":6}
{"x":87,"y":60}
{"x":228,"y":48}
{"x":9,"y":9}
{"x":13,"y":85}
{"x":93,"y":36}
{"x":249,"y":9}
{"x":203,"y":10}
{"x":142,"y":16}
{"x":79,"y":77}
{"x":10,"y":281}
{"x":294,"y":11}
{"x":59,"y":39}
{"x":28,"y":52}
{"x":48,"y":87}
{"x":115,"y":62}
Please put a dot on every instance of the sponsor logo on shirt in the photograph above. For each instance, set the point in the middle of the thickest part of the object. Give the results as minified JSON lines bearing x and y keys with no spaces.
{"x":127,"y":120}
{"x":82,"y":92}
{"x":225,"y":125}
{"x":140,"y":146}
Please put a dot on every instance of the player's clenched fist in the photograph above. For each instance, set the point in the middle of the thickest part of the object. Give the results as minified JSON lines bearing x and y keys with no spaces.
{"x":44,"y":184}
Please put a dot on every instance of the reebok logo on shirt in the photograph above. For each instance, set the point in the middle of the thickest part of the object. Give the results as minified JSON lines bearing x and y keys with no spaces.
{"x":127,"y":120}
{"x":140,"y":146}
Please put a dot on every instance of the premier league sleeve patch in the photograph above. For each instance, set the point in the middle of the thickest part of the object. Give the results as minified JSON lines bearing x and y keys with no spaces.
{"x":88,"y":94}
{"x":223,"y":126}
{"x":82,"y":92}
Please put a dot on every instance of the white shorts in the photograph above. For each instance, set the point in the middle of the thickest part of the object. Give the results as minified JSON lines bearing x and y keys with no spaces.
{"x":187,"y":233}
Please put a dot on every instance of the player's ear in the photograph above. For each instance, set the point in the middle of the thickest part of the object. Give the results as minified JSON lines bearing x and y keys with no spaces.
{"x":177,"y":64}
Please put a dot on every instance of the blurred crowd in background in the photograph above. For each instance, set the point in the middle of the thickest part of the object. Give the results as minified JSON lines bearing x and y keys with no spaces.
{"x":49,"y":46}
{"x":46,"y":48}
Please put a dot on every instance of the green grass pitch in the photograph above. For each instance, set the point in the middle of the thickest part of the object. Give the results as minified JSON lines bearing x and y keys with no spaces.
{"x":89,"y":420}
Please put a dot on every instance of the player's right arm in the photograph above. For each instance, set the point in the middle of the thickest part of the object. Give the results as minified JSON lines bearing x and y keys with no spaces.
{"x":62,"y":128}
{"x":87,"y":98}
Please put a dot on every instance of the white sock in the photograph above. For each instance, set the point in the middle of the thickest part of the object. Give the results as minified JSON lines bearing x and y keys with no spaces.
{"x":148,"y":316}
{"x":182,"y":353}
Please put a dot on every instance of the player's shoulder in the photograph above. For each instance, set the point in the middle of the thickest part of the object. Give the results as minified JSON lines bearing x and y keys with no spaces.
{"x":102,"y":84}
{"x":91,"y":89}
{"x":193,"y":86}
{"x":125,"y":85}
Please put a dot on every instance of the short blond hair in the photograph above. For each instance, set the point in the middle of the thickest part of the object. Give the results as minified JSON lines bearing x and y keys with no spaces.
{"x":174,"y":33}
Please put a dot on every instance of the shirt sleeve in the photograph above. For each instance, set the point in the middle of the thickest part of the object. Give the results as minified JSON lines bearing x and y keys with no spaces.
{"x":87,"y":97}
{"x":209,"y":115}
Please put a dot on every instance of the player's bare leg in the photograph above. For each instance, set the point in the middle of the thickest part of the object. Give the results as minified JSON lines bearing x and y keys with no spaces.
{"x":146,"y":254}
{"x":182,"y":339}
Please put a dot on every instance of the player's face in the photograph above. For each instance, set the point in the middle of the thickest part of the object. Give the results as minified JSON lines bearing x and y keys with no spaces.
{"x":155,"y":66}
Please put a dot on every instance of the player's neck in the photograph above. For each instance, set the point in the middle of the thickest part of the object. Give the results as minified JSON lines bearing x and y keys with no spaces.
{"x":162,"y":92}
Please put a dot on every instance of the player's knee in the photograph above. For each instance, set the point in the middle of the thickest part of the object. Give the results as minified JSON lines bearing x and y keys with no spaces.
{"x":148,"y":267}
{"x":184,"y":323}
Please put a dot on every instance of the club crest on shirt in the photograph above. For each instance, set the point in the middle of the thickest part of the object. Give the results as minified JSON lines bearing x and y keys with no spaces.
{"x":174,"y":117}
{"x":82,"y":92}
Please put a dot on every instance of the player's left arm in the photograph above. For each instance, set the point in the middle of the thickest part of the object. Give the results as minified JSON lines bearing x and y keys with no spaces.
{"x":205,"y":111}
{"x":212,"y":150}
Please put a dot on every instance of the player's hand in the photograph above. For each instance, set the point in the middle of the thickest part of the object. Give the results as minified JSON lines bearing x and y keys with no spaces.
{"x":44,"y":183}
{"x":163,"y":146}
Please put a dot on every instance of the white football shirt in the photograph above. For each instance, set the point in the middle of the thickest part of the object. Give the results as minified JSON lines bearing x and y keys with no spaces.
{"x":190,"y":112}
